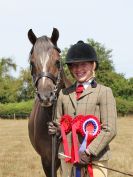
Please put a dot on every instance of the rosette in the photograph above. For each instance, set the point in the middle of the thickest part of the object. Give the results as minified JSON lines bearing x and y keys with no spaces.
{"x":89,"y":128}
{"x":65,"y":123}
{"x":75,"y":129}
{"x":89,"y":125}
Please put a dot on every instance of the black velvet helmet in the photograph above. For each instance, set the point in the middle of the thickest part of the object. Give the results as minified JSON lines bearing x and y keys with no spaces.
{"x":81,"y":52}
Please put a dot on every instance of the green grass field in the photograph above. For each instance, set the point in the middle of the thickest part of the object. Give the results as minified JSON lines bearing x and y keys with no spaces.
{"x":18,"y":158}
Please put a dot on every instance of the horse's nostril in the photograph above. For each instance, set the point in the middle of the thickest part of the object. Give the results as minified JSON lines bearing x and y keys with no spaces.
{"x":51,"y":93}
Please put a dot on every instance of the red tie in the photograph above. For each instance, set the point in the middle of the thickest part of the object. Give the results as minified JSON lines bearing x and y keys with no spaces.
{"x":79,"y":90}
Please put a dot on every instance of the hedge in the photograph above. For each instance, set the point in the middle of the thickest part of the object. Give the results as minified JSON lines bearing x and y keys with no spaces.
{"x":23,"y":109}
{"x":12,"y":110}
{"x":124,"y":107}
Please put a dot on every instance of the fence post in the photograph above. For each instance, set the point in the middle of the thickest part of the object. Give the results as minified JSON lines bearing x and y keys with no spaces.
{"x":14,"y":116}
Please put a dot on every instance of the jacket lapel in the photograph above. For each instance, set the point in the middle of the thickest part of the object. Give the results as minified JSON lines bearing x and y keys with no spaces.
{"x":87,"y":91}
{"x":72,"y":96}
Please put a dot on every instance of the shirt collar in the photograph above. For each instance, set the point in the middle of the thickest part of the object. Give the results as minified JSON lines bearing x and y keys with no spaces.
{"x":85,"y":84}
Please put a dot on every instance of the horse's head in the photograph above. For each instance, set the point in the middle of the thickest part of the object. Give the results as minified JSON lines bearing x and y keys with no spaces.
{"x":45,"y":66}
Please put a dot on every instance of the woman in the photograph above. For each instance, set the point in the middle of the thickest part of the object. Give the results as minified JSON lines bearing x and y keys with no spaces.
{"x":86,"y":97}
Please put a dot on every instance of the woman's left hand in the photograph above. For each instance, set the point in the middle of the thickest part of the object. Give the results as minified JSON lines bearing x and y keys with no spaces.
{"x":84,"y":158}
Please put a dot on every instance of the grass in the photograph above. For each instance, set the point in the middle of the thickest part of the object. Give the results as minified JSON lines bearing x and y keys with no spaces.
{"x":122,"y":148}
{"x":17,"y":156}
{"x":19,"y":159}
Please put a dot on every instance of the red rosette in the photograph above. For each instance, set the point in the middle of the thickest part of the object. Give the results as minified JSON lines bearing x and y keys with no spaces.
{"x":75,"y":129}
{"x":66,"y":127}
{"x":66,"y":123}
{"x":91,"y":124}
{"x":76,"y":122}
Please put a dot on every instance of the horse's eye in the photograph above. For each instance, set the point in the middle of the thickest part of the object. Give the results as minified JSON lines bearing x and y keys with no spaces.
{"x":31,"y":64}
{"x":57,"y":64}
{"x":31,"y":51}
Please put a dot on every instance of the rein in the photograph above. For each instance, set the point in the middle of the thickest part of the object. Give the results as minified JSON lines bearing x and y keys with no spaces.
{"x":54,"y":140}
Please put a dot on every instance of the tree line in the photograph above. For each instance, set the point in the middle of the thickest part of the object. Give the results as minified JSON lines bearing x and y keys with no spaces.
{"x":15,"y":93}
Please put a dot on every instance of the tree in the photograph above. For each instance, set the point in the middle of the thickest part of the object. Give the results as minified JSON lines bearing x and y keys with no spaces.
{"x":66,"y":70}
{"x":5,"y":65}
{"x":104,"y":56}
{"x":7,"y":82}
{"x":26,"y":89}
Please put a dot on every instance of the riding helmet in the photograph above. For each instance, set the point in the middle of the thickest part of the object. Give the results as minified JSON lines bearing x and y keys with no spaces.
{"x":81,"y":52}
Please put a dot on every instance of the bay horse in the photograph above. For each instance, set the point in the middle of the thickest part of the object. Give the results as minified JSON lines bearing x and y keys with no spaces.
{"x":48,"y":77}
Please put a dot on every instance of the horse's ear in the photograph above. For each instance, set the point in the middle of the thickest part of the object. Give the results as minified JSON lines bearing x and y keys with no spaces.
{"x":32,"y":36}
{"x":55,"y":36}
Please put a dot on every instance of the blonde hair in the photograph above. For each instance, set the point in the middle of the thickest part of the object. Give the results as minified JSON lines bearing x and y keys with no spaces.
{"x":93,"y":69}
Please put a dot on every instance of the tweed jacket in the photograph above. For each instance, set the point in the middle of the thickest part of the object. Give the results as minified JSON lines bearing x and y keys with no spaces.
{"x":97,"y":101}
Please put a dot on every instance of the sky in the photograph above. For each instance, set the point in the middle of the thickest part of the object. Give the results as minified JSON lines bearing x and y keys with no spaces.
{"x":109,"y":22}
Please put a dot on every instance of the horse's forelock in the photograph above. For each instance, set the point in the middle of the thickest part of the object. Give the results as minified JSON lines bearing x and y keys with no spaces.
{"x":43,"y":44}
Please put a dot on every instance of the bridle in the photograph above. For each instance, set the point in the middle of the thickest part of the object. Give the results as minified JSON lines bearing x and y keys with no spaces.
{"x":37,"y":77}
{"x":56,"y":80}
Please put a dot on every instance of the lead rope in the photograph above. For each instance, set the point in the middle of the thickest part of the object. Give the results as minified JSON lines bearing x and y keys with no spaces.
{"x":111,"y":169}
{"x":54,"y":140}
{"x":53,"y":143}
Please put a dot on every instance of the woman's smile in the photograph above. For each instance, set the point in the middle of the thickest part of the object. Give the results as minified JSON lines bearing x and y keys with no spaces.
{"x":82,"y":71}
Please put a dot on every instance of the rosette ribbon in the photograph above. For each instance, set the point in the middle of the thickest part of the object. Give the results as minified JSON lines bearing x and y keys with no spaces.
{"x":65,"y":123}
{"x":75,"y":129}
{"x":75,"y":147}
{"x":89,"y":129}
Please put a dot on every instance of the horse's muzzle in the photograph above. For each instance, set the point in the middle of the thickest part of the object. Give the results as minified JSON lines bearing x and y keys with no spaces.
{"x":47,"y":100}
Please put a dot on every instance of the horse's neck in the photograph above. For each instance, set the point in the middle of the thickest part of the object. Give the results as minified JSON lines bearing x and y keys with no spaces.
{"x":45,"y":113}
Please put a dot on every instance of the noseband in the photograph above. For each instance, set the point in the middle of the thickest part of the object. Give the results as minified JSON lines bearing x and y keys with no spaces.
{"x":36,"y":78}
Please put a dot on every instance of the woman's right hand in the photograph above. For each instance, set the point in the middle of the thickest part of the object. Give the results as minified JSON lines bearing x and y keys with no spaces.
{"x":54,"y":128}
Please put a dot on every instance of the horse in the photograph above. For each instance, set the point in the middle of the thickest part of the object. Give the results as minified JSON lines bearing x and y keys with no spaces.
{"x":48,"y":79}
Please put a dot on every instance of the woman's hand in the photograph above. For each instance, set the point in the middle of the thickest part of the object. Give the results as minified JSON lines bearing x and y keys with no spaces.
{"x":84,"y":159}
{"x":54,"y":128}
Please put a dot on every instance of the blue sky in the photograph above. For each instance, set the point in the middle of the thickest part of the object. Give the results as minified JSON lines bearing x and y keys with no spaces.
{"x":109,"y":22}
